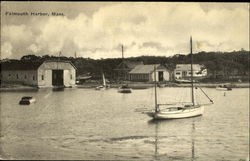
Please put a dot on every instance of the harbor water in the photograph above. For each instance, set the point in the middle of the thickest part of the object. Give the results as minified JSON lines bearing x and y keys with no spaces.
{"x":88,"y":124}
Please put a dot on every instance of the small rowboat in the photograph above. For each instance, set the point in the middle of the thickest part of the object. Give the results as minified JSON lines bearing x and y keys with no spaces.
{"x":223,"y":88}
{"x":26,"y":100}
{"x":124,"y":89}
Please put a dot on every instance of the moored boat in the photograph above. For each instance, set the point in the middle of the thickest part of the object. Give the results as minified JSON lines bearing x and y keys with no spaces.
{"x":124,"y":89}
{"x":26,"y":100}
{"x":223,"y":88}
{"x":104,"y":85}
{"x":177,"y":111}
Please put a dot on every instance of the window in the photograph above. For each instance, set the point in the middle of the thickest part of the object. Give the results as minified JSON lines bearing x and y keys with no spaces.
{"x":9,"y":75}
{"x":25,"y":77}
{"x":16,"y":76}
{"x":33,"y":77}
{"x":71,"y":77}
{"x":177,"y":73}
{"x":42,"y":77}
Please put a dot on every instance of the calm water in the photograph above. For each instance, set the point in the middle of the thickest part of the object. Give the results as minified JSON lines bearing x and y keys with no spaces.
{"x":90,"y":124}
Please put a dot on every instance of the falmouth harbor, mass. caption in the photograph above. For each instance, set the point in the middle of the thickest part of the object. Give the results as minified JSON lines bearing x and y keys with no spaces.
{"x":124,"y":81}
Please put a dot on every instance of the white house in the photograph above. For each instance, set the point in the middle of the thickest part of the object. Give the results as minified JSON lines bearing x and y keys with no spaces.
{"x":40,"y":74}
{"x":184,"y":71}
{"x":146,"y":73}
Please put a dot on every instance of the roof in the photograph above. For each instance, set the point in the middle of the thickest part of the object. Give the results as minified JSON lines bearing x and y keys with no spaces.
{"x":26,"y":65}
{"x":144,"y":69}
{"x":129,"y":64}
{"x":196,"y":67}
{"x":64,"y":61}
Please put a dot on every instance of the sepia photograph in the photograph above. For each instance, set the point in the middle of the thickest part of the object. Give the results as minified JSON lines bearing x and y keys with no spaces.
{"x":156,"y":81}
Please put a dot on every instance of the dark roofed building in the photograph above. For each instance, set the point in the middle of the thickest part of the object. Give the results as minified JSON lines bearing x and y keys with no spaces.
{"x":123,"y":69}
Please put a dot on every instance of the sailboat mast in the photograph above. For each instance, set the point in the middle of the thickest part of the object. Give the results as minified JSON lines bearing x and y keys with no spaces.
{"x":156,"y":107}
{"x":123,"y":73}
{"x":192,"y":84}
{"x":122,"y":52}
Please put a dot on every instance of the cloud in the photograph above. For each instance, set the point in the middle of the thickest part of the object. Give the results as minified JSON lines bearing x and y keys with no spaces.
{"x":6,"y":50}
{"x":156,"y":45}
{"x":34,"y":48}
{"x":143,"y":28}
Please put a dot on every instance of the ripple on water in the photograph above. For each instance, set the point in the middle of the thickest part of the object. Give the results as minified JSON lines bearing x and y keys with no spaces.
{"x":108,"y":125}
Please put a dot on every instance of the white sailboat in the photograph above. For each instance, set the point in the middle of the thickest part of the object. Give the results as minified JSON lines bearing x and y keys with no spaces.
{"x":104,"y":85}
{"x":180,"y":110}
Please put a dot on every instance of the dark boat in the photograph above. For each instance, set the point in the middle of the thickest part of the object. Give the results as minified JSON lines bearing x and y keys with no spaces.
{"x":223,"y":88}
{"x":26,"y":100}
{"x":124,"y":89}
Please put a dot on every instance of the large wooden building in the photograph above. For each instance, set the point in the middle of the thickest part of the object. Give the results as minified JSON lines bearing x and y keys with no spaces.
{"x":183,"y":71}
{"x":145,"y":73}
{"x":123,"y":69}
{"x":40,"y":74}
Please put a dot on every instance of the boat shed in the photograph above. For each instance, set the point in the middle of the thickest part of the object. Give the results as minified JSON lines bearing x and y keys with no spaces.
{"x":184,"y":71}
{"x":123,"y":69}
{"x":145,"y":73}
{"x":40,"y":74}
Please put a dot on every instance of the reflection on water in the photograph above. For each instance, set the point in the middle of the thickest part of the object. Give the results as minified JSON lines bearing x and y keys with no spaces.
{"x":158,"y":140}
{"x":91,"y":124}
{"x":192,"y":135}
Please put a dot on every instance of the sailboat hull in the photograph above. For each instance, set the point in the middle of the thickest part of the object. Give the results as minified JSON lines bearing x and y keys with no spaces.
{"x":178,"y":114}
{"x":223,"y":89}
{"x":122,"y":90}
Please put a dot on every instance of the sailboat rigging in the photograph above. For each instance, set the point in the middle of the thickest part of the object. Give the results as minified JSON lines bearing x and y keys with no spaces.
{"x":124,"y":88}
{"x":174,"y":111}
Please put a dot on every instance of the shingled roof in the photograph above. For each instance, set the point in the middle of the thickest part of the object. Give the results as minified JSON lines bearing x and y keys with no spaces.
{"x":144,"y":69}
{"x":196,"y":67}
{"x":128,"y":64}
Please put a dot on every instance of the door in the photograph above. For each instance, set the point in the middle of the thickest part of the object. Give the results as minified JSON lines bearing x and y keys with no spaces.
{"x":160,"y":76}
{"x":57,"y":77}
{"x":184,"y":73}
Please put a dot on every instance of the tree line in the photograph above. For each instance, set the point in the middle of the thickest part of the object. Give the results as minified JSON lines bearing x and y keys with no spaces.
{"x":214,"y":62}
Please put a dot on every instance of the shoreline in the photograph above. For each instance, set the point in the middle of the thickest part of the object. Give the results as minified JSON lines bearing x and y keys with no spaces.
{"x":133,"y":85}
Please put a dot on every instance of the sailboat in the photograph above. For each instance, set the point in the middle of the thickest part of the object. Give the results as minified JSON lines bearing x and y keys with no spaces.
{"x":179,"y":110}
{"x":104,"y":85}
{"x":124,"y":88}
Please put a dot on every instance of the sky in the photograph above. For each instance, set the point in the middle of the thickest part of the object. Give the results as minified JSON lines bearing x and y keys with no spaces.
{"x":99,"y":29}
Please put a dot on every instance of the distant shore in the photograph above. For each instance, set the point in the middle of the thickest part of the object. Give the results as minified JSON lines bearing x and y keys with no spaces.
{"x":133,"y":85}
{"x":148,"y":85}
